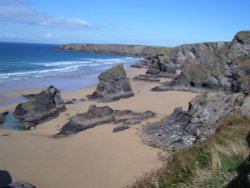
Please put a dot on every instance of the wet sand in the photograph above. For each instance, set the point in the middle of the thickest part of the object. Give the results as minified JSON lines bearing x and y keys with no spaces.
{"x":93,"y":158}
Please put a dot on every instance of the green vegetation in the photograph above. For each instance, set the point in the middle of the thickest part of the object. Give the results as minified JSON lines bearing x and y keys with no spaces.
{"x":243,"y":58}
{"x":212,"y":163}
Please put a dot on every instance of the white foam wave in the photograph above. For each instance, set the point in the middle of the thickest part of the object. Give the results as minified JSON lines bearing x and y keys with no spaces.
{"x":88,"y":62}
{"x":66,"y":66}
{"x":36,"y":73}
{"x":65,"y":63}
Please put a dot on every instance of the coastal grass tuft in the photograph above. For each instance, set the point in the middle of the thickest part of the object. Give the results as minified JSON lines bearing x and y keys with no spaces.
{"x":243,"y":58}
{"x":212,"y":163}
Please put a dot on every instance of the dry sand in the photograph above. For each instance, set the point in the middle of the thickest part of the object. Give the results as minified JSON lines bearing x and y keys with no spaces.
{"x":93,"y":158}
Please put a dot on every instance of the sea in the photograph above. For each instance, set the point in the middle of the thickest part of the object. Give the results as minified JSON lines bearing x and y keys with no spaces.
{"x":26,"y":66}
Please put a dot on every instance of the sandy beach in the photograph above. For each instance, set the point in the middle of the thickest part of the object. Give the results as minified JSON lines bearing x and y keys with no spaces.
{"x":93,"y":158}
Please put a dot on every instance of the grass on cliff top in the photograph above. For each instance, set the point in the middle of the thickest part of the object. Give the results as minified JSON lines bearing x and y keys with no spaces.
{"x":213,"y":163}
{"x":242,"y":58}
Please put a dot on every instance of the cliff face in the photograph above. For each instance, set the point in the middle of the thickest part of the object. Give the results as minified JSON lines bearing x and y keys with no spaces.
{"x":137,"y":50}
{"x":200,"y":53}
{"x":179,"y":53}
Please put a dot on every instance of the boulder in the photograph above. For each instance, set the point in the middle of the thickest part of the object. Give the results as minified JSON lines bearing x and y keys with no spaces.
{"x":3,"y":116}
{"x":113,"y":85}
{"x":101,"y":115}
{"x":183,"y":128}
{"x":71,"y":101}
{"x":120,"y":128}
{"x":5,"y":178}
{"x":44,"y":106}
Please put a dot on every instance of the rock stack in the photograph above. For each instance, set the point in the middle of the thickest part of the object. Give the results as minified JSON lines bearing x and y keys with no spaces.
{"x":113,"y":85}
{"x":42,"y":107}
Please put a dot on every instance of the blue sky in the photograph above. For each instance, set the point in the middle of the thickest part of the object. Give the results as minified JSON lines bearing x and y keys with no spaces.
{"x":150,"y":22}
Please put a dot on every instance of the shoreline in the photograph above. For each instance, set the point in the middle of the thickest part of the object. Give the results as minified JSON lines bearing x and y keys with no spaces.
{"x":67,"y":84}
{"x":93,"y":158}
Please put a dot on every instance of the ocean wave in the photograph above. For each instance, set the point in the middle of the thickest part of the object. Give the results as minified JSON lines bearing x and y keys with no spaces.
{"x":38,"y":72}
{"x":91,"y":62}
{"x":64,"y":63}
{"x":114,"y":60}
{"x":52,"y":68}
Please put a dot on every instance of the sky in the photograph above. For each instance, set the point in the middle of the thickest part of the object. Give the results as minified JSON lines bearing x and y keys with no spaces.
{"x":148,"y":22}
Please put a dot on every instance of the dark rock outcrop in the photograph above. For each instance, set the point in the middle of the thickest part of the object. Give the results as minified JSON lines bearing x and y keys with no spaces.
{"x":158,"y":66}
{"x":199,"y":78}
{"x":43,"y":107}
{"x":147,"y":78}
{"x":120,"y":128}
{"x":113,"y":85}
{"x":5,"y":178}
{"x":3,"y":116}
{"x":183,"y":128}
{"x":93,"y":117}
{"x":70,"y":101}
{"x":128,"y":117}
{"x":6,"y":181}
{"x":101,"y":115}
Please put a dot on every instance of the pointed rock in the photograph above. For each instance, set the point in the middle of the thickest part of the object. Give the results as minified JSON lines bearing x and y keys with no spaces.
{"x":113,"y":85}
{"x":42,"y":107}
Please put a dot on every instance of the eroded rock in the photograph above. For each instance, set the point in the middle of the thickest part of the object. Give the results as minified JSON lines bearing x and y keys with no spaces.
{"x":113,"y":85}
{"x":101,"y":115}
{"x":159,"y":66}
{"x":147,"y":78}
{"x":93,"y":117}
{"x":200,"y":78}
{"x":42,"y":107}
{"x":183,"y":128}
{"x":207,"y":69}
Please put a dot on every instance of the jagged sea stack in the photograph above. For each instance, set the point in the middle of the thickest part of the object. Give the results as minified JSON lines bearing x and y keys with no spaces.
{"x":42,"y":107}
{"x":113,"y":85}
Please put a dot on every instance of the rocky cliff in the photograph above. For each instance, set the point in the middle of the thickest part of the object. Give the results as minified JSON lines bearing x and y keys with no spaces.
{"x":223,"y":68}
